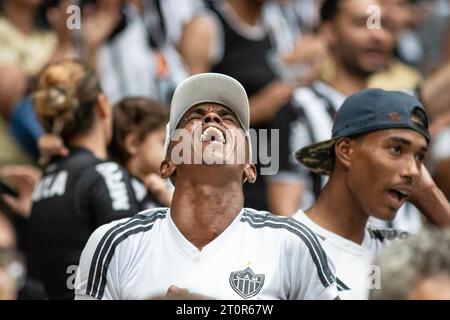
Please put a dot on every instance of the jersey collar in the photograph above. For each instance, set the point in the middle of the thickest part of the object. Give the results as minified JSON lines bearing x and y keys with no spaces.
{"x":192,"y":251}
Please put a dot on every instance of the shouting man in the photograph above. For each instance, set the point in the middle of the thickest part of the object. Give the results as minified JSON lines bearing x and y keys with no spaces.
{"x":375,"y":164}
{"x":206,"y":243}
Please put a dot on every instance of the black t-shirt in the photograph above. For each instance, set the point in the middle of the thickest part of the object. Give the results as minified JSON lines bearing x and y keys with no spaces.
{"x":76,"y":195}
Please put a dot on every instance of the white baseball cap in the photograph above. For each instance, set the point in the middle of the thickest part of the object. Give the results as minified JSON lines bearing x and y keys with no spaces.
{"x":208,"y":88}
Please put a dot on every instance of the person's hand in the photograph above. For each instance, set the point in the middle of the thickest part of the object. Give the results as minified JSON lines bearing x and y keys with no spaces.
{"x":430,"y":200}
{"x":51,"y":145}
{"x":423,"y":184}
{"x":439,"y":124}
{"x":99,"y":21}
{"x":304,"y":63}
{"x":24,"y":178}
{"x":158,"y":187}
{"x":57,"y":18}
{"x":434,"y":92}
{"x":307,"y":48}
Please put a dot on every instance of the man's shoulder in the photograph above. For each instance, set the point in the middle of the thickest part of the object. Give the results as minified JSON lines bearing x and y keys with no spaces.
{"x":317,"y":92}
{"x":304,"y":95}
{"x":300,"y":245}
{"x":261,"y":216}
{"x":279,"y":224}
{"x":120,"y":230}
{"x":119,"y":240}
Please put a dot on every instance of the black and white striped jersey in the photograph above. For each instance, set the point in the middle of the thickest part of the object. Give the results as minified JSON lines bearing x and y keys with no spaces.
{"x":307,"y":120}
{"x":259,"y":256}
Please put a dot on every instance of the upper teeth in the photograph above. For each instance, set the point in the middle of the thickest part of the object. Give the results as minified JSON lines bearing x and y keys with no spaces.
{"x":212,"y":132}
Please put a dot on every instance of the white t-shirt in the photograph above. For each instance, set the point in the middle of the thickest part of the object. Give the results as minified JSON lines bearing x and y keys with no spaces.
{"x":259,"y":256}
{"x":356,"y":274}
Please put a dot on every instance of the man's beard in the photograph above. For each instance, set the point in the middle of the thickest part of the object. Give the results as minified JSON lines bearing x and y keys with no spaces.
{"x":353,"y":67}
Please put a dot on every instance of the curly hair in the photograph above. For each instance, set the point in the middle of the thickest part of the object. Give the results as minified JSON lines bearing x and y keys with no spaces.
{"x":64,"y":96}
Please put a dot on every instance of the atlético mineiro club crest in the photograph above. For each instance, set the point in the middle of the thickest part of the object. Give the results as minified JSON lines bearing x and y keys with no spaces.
{"x":246,"y":283}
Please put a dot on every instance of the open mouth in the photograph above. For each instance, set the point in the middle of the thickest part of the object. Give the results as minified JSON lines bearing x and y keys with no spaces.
{"x":398,"y":195}
{"x":212,"y":134}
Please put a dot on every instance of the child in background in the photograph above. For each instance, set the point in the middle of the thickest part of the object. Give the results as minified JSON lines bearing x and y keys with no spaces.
{"x":138,"y":145}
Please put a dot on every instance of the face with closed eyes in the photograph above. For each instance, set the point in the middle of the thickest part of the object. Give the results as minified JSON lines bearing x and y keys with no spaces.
{"x":216,"y":135}
{"x":211,"y":134}
{"x":382,"y":168}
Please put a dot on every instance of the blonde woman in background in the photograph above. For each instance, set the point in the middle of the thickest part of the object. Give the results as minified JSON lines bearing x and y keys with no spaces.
{"x":82,"y":191}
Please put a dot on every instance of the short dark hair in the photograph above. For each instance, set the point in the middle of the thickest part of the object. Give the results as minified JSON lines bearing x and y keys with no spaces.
{"x":135,"y":114}
{"x":329,"y":10}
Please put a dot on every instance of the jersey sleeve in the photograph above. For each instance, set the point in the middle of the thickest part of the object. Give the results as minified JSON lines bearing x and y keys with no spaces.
{"x":110,"y":195}
{"x":91,"y":283}
{"x":312,"y":272}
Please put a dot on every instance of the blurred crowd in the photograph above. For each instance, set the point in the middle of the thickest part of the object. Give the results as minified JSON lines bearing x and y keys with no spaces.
{"x":297,"y":60}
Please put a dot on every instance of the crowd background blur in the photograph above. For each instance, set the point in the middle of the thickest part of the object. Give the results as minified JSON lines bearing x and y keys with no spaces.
{"x":297,"y":64}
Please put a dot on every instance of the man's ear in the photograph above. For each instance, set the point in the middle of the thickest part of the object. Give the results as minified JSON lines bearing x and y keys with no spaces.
{"x":131,"y":143}
{"x":167,"y":169}
{"x":103,"y":106}
{"x":344,"y":149}
{"x":249,"y":173}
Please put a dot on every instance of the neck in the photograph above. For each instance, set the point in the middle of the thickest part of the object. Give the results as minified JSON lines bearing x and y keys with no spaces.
{"x":338,"y":211}
{"x":205,"y":203}
{"x":20,"y":15}
{"x":248,"y":11}
{"x":347,"y":82}
{"x":93,"y":141}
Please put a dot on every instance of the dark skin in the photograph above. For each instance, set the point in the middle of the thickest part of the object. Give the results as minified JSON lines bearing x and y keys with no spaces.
{"x":207,"y":198}
{"x":357,"y":52}
{"x":374,"y":175}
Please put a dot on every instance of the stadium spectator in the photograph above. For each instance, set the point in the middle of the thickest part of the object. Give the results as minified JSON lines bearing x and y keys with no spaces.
{"x":138,"y":58}
{"x":138,"y":145}
{"x":401,"y":18}
{"x":82,"y":191}
{"x":357,"y":52}
{"x":231,"y":38}
{"x":32,"y":33}
{"x":375,"y":161}
{"x":206,"y":233}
